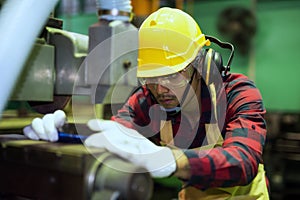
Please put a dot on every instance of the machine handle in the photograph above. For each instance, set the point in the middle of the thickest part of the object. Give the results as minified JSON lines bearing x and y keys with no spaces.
{"x":71,"y":138}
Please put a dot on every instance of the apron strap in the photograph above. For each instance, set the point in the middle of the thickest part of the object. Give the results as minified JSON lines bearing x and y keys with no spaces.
{"x":166,"y":132}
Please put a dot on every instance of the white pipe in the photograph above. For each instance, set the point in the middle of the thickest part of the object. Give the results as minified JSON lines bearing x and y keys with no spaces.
{"x":114,"y":6}
{"x":20,"y":23}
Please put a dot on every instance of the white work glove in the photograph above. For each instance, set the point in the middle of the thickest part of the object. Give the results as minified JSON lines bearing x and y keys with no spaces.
{"x":132,"y":146}
{"x":46,"y":128}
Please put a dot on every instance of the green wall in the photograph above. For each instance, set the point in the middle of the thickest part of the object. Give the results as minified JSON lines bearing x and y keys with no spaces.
{"x":79,"y":23}
{"x":273,"y":64}
{"x":277,"y":54}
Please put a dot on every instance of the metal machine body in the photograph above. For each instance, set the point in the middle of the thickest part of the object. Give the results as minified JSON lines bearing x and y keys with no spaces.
{"x":65,"y":64}
{"x":111,"y":62}
{"x":37,"y":73}
{"x":42,"y":170}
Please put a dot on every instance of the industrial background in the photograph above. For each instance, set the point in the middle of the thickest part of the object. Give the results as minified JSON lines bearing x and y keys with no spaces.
{"x":267,"y":40}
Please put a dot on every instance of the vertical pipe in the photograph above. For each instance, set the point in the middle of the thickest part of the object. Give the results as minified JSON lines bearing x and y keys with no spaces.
{"x":20,"y":23}
{"x":114,"y":9}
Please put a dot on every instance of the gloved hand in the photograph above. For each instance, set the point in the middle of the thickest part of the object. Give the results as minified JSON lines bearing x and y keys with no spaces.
{"x":46,"y":128}
{"x":131,"y":145}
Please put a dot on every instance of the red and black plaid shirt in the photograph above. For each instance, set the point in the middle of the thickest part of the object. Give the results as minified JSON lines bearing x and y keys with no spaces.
{"x":242,"y":126}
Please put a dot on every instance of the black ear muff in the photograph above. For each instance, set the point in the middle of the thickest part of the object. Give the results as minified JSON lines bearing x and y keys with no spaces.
{"x":216,"y":59}
{"x":212,"y":64}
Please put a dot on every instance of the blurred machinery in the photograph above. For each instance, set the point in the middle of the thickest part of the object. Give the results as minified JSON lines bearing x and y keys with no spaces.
{"x":282,"y":155}
{"x":62,"y":63}
{"x":42,"y":170}
{"x":51,"y":68}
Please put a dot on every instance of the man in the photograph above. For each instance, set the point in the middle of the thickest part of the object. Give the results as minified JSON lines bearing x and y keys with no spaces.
{"x":205,"y":125}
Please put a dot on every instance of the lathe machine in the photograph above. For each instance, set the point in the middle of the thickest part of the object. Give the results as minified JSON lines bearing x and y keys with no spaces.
{"x":42,"y":170}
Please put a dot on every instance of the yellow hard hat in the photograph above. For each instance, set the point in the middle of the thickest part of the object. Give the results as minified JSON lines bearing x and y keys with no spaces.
{"x":169,"y":39}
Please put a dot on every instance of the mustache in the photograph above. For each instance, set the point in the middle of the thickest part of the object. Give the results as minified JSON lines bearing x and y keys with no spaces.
{"x":166,"y":96}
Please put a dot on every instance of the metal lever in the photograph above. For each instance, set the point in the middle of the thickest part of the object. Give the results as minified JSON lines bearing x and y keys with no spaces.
{"x":71,"y":138}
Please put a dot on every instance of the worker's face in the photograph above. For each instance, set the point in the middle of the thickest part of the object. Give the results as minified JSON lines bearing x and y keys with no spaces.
{"x":169,"y":90}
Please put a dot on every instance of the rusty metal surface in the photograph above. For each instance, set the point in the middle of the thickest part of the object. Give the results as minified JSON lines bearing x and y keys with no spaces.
{"x":56,"y":156}
{"x":43,"y":170}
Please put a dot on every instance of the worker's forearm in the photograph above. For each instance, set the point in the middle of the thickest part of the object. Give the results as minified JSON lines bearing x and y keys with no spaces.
{"x":182,"y":165}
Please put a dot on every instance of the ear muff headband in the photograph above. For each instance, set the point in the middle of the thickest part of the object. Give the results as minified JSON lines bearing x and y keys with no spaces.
{"x":225,"y":45}
{"x":208,"y":58}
